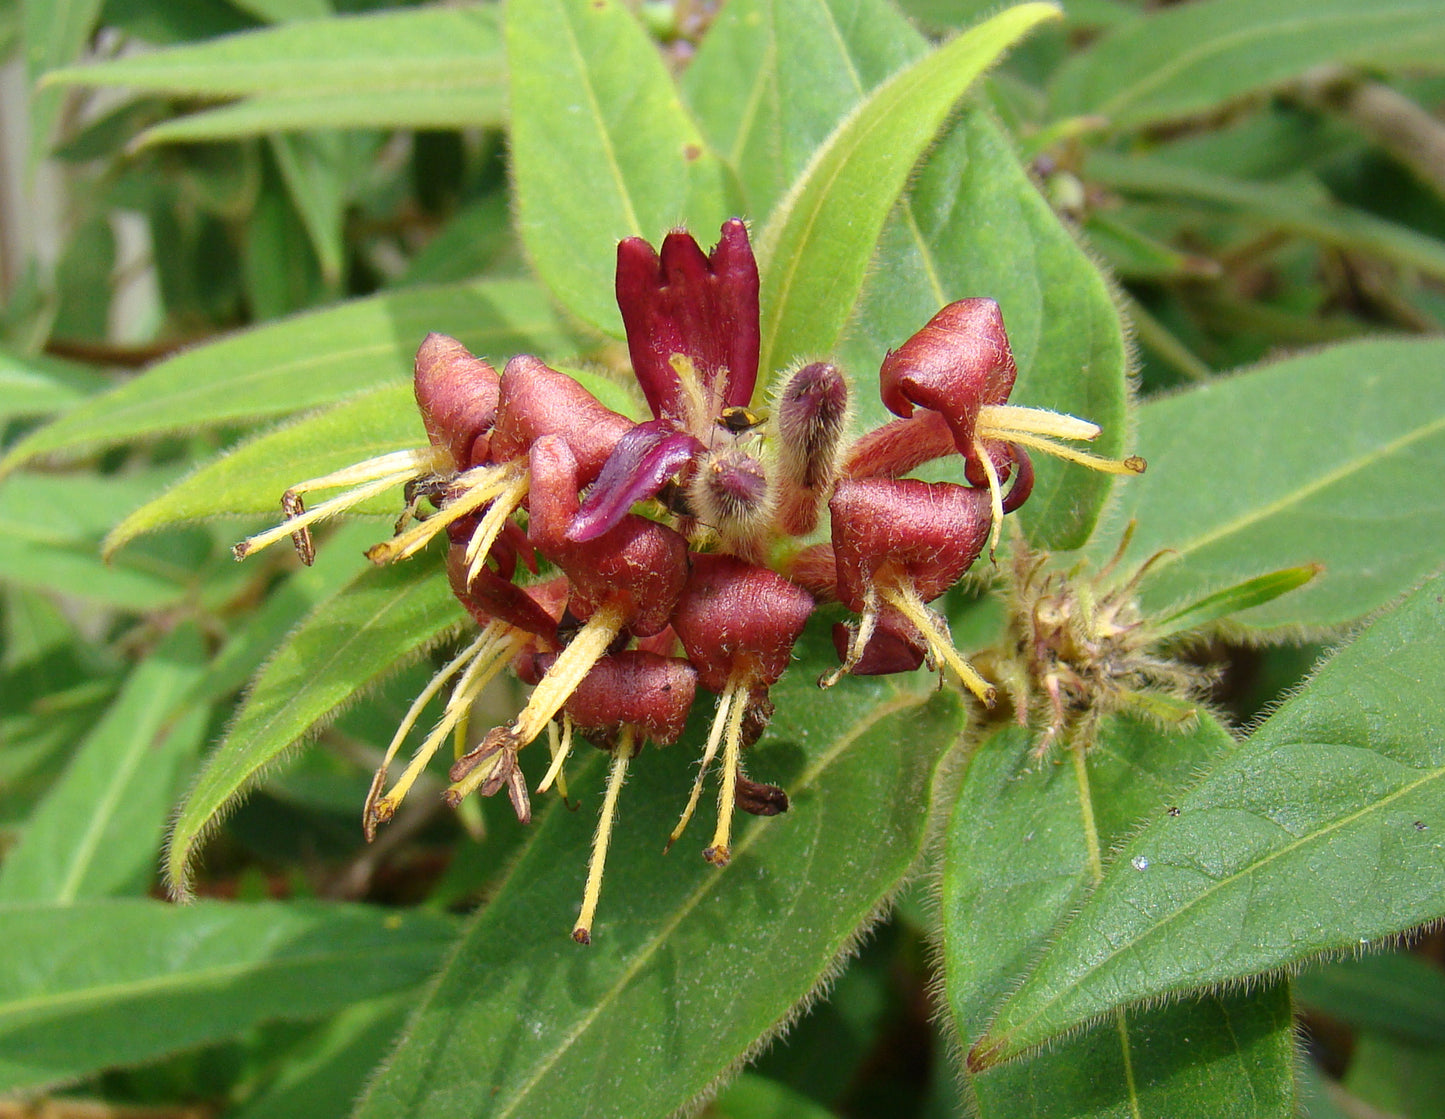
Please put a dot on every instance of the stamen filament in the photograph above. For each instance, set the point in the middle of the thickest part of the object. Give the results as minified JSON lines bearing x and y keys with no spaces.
{"x":559,"y":755}
{"x":616,"y":775}
{"x":719,"y":853}
{"x":481,"y":485}
{"x":996,"y":421}
{"x":492,"y":523}
{"x":482,"y":670}
{"x":934,"y":629}
{"x":297,"y":524}
{"x":369,"y":814}
{"x":714,"y":740}
{"x":995,"y":495}
{"x":862,"y":634}
{"x":1131,"y":465}
{"x":567,"y":671}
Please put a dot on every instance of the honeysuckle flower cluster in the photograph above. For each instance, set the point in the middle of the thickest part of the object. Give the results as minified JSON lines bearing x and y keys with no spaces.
{"x":619,"y":567}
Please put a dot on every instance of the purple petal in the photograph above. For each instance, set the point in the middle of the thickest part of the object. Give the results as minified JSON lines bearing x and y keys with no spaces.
{"x":640,"y":465}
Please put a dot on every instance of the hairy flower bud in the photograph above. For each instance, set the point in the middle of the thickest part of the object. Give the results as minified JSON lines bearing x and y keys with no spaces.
{"x":729,"y":493}
{"x":810,"y":417}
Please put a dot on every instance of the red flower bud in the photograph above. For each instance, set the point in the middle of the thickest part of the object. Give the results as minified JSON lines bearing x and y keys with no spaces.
{"x":535,"y":401}
{"x":650,"y":692}
{"x":811,"y":413}
{"x":456,"y":394}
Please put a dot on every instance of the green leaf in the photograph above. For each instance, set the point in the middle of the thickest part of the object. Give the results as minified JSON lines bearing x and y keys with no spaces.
{"x":98,"y":830}
{"x":1391,"y":1076}
{"x":1242,"y":596}
{"x":54,"y":32}
{"x":433,"y":49}
{"x":592,"y":103}
{"x":1394,"y":993}
{"x":318,"y":171}
{"x":311,"y":359}
{"x":671,"y":994}
{"x":1192,"y":59}
{"x":40,"y":386}
{"x":815,"y":248}
{"x":1322,"y":833}
{"x":353,"y":109}
{"x":773,"y":78}
{"x":1330,"y":458}
{"x":1221,"y":1056}
{"x":97,"y":984}
{"x":756,"y":1097}
{"x":352,"y":641}
{"x":1300,"y":207}
{"x":973,"y":224}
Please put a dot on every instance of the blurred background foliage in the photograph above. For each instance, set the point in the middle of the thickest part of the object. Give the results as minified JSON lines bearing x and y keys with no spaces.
{"x":1249,"y":203}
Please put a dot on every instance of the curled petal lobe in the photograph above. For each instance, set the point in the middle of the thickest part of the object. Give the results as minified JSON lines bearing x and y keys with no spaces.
{"x":893,"y":647}
{"x":641,"y":463}
{"x":489,"y":596}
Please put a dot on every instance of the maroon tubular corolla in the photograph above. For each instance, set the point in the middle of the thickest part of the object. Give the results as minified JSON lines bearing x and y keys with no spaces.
{"x":457,"y":395}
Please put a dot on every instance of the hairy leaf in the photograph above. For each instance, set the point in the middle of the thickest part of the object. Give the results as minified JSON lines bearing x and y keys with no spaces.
{"x":1320,"y":834}
{"x":96,"y":984}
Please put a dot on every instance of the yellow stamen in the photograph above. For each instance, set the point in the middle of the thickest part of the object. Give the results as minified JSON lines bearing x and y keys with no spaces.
{"x":862,"y":634}
{"x":995,"y":495}
{"x":1131,"y":465}
{"x":476,"y":487}
{"x":719,"y":853}
{"x":492,"y":523}
{"x":484,"y":658}
{"x":300,"y":517}
{"x":559,"y":755}
{"x":582,"y":931}
{"x":995,"y":421}
{"x":714,"y":740}
{"x":934,"y":628}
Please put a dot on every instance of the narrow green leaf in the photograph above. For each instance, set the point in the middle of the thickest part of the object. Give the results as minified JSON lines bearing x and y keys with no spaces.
{"x":348,"y":644}
{"x":973,"y":224}
{"x":98,"y":830}
{"x":1134,"y":255}
{"x":382,"y":52}
{"x":1221,"y":1056}
{"x":40,"y":387}
{"x":1242,"y":596}
{"x":97,"y":984}
{"x":815,"y":248}
{"x":671,"y":994}
{"x":1395,"y":993}
{"x":592,"y":102}
{"x":1323,"y":832}
{"x":318,"y":170}
{"x":285,"y":11}
{"x":1391,"y":1076}
{"x":54,"y":33}
{"x":481,"y":107}
{"x":1301,"y":207}
{"x":773,"y":78}
{"x":1331,"y":457}
{"x":1192,"y":59}
{"x":310,"y":359}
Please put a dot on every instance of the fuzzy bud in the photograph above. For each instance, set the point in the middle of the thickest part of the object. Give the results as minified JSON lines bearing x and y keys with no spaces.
{"x":811,"y":415}
{"x":729,"y":493}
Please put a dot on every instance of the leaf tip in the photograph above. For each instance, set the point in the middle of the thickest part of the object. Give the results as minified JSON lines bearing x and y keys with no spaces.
{"x":986,"y":1054}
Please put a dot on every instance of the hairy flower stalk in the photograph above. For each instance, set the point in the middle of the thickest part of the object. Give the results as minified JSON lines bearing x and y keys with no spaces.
{"x":618,"y":566}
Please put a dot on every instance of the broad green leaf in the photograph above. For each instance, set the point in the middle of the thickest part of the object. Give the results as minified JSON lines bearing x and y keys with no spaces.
{"x":285,"y":11}
{"x":1220,"y":1056}
{"x":1322,"y":833}
{"x":1389,"y":1075}
{"x":1395,"y":993}
{"x":93,"y":985}
{"x":973,"y":225}
{"x":352,"y":641}
{"x":1301,"y":207}
{"x":1330,"y":457}
{"x":54,"y":32}
{"x":364,"y":109}
{"x":385,"y":52}
{"x":688,"y":966}
{"x":1192,"y":59}
{"x":601,"y":147}
{"x":311,"y":359}
{"x":773,"y":78}
{"x":756,"y":1097}
{"x":815,"y":248}
{"x":39,"y":387}
{"x":98,"y":830}
{"x":251,"y":478}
